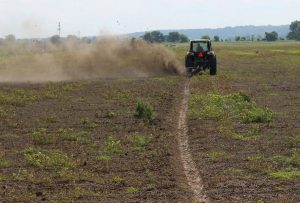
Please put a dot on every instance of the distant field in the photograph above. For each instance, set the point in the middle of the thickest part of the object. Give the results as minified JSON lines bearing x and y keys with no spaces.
{"x":115,"y":140}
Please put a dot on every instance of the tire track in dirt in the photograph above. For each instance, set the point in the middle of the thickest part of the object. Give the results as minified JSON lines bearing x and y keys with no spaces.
{"x":192,"y":175}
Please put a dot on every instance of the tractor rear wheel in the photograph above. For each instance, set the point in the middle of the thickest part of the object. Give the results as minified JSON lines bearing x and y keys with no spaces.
{"x":213,"y":65}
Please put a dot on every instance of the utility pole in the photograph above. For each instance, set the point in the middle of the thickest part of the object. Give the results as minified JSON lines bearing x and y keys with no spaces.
{"x":59,"y":29}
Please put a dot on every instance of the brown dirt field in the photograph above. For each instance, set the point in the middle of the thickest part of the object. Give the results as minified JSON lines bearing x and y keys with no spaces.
{"x":146,"y":173}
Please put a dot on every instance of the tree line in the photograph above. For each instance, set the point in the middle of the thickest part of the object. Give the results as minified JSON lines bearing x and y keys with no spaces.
{"x":174,"y":37}
{"x":159,"y":37}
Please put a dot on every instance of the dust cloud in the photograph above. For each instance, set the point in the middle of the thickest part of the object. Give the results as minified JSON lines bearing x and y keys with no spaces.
{"x":106,"y":58}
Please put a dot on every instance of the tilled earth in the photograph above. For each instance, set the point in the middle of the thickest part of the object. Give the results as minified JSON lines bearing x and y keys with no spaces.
{"x":237,"y":168}
{"x":80,"y":142}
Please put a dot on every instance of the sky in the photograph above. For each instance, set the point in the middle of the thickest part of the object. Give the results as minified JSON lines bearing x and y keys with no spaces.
{"x":39,"y":18}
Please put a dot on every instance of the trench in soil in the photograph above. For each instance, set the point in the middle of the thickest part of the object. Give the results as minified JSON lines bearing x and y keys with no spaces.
{"x":190,"y":171}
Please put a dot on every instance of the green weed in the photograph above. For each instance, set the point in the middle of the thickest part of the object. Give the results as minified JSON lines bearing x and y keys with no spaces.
{"x":215,"y":156}
{"x":118,"y":180}
{"x":145,"y":111}
{"x":294,"y":141}
{"x":286,"y":174}
{"x":3,"y":114}
{"x":72,"y":135}
{"x":18,"y":97}
{"x":104,"y":158}
{"x":234,"y":106}
{"x":4,"y":163}
{"x":132,"y":190}
{"x":41,"y":137}
{"x":257,"y":115}
{"x":48,"y":159}
{"x":110,"y":114}
{"x":87,"y":123}
{"x":140,"y":141}
{"x":113,"y":146}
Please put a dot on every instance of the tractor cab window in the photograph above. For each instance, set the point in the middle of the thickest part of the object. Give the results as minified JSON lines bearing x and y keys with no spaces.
{"x":199,"y":47}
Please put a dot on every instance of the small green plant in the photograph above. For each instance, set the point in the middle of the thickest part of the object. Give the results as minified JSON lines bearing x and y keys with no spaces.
{"x":48,"y":159}
{"x":87,"y":123}
{"x":67,"y":87}
{"x":113,"y":146}
{"x":3,"y":114}
{"x":110,"y":114}
{"x":257,"y":115}
{"x":4,"y":163}
{"x":132,"y":190}
{"x":145,"y":111}
{"x":72,"y":135}
{"x":215,"y":156}
{"x":104,"y":158}
{"x":286,"y":174}
{"x":140,"y":141}
{"x":41,"y":137}
{"x":51,"y":119}
{"x":233,"y":106}
{"x":18,"y":97}
{"x":294,"y":141}
{"x":118,"y":180}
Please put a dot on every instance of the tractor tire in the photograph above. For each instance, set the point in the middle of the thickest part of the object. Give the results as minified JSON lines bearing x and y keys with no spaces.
{"x":189,"y":61}
{"x":213,"y":65}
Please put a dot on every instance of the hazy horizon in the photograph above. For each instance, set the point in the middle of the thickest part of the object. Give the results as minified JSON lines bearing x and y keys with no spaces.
{"x":35,"y":19}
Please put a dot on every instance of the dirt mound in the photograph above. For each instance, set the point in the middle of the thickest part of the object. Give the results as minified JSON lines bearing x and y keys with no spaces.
{"x":106,"y":58}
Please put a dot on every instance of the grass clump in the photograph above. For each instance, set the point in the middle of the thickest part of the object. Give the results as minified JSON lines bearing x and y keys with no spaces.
{"x":41,"y":137}
{"x":286,"y":174}
{"x":112,"y":147}
{"x":87,"y":123}
{"x":294,"y":141}
{"x":4,"y":163}
{"x":145,"y":111}
{"x":235,"y":106}
{"x":140,"y":141}
{"x":17,"y":97}
{"x":3,"y":114}
{"x":215,"y":156}
{"x":48,"y":159}
{"x":132,"y":190}
{"x":77,"y":136}
{"x":257,"y":115}
{"x":118,"y":180}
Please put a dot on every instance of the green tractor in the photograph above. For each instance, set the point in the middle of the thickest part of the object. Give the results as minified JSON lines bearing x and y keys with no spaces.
{"x":200,"y":57}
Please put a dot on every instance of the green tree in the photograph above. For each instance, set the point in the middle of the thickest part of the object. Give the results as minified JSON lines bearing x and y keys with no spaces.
{"x":173,"y":37}
{"x":154,"y":36}
{"x":271,"y":36}
{"x":184,"y":38}
{"x":158,"y":36}
{"x":148,"y":37}
{"x":205,"y":37}
{"x":10,"y":38}
{"x":55,"y":39}
{"x":216,"y":38}
{"x":237,"y":38}
{"x":295,"y":31}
